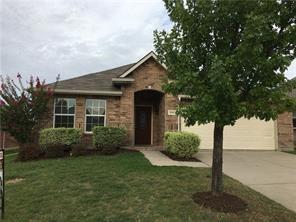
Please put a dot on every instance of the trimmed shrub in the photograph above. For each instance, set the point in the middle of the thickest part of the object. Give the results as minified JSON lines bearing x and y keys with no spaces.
{"x":181,"y":144}
{"x":64,"y":136}
{"x":108,"y":139}
{"x":56,"y":150}
{"x":29,"y":151}
{"x":78,"y":150}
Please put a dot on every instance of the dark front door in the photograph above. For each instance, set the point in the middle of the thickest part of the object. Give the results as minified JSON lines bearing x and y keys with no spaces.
{"x":143,"y":125}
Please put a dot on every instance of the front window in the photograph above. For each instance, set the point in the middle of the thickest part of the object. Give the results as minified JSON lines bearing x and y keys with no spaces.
{"x":64,"y":112}
{"x":95,"y":113}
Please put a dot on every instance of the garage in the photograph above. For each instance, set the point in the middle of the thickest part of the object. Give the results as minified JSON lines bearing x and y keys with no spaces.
{"x":246,"y":134}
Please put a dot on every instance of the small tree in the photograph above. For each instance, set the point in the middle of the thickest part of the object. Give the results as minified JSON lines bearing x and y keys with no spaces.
{"x":23,"y":108}
{"x":229,"y":57}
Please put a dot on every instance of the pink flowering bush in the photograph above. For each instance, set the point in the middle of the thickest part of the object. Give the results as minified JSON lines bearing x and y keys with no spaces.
{"x":22,"y":109}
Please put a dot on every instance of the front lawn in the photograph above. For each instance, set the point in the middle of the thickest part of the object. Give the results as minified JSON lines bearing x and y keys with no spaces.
{"x":124,"y":187}
{"x":12,"y":150}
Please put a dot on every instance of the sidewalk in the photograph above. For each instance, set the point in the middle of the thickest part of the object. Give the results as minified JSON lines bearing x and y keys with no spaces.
{"x":157,"y":158}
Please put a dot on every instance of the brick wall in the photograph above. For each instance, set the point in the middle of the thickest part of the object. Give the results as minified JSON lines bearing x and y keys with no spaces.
{"x":285,"y":131}
{"x":9,"y":141}
{"x":149,"y":76}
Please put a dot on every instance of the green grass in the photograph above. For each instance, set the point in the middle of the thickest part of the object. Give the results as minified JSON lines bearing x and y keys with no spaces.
{"x":13,"y":150}
{"x":291,"y":152}
{"x":124,"y":187}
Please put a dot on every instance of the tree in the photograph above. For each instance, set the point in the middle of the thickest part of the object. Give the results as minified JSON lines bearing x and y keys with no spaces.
{"x":229,"y":57}
{"x":23,"y":108}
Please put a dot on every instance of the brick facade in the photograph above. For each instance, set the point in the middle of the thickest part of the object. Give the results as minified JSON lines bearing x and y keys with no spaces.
{"x":120,"y":111}
{"x":7,"y":140}
{"x":285,"y":131}
{"x":148,"y":76}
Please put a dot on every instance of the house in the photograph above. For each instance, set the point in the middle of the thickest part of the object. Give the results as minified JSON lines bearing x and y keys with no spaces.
{"x":131,"y":96}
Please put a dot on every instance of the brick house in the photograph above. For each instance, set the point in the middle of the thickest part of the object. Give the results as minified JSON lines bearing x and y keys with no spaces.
{"x":131,"y":96}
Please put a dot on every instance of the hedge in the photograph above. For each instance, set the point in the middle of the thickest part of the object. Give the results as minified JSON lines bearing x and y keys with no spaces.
{"x":181,"y":144}
{"x":108,"y":138}
{"x":63,"y":136}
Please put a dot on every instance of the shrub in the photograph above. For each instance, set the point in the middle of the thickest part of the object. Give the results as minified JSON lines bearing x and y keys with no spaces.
{"x":78,"y":150}
{"x":64,"y":136}
{"x":108,"y":139}
{"x":29,"y":151}
{"x":23,"y":107}
{"x":181,"y":144}
{"x":56,"y":150}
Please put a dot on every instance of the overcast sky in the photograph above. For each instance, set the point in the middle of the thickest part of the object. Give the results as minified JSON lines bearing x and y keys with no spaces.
{"x":75,"y":37}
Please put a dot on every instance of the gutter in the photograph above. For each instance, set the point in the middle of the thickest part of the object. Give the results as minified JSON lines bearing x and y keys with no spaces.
{"x":87,"y":92}
{"x":122,"y":80}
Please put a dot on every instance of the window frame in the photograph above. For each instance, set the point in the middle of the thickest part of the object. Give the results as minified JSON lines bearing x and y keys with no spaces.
{"x":54,"y":114}
{"x":96,"y":115}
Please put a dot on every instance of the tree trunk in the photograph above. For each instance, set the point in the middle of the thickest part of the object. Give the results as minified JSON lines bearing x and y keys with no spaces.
{"x":217,"y":180}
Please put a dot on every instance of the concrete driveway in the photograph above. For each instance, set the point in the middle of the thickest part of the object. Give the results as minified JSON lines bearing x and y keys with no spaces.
{"x":269,"y":172}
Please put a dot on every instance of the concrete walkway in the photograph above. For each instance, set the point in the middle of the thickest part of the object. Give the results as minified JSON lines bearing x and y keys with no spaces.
{"x":157,"y":158}
{"x":269,"y":172}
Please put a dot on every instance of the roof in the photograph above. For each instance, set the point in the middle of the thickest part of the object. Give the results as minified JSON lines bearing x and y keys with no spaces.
{"x":102,"y":83}
{"x":98,"y":81}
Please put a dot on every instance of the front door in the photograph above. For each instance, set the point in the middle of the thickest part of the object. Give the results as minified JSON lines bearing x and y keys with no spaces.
{"x":143,"y":125}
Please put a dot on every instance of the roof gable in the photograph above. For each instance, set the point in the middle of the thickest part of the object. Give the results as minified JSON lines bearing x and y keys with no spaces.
{"x":140,"y":62}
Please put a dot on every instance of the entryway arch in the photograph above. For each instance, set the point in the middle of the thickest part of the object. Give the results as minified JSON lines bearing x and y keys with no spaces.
{"x":149,"y":118}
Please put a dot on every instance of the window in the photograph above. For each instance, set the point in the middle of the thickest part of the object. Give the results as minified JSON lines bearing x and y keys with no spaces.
{"x":294,"y":120}
{"x":95,"y":113}
{"x":64,"y":112}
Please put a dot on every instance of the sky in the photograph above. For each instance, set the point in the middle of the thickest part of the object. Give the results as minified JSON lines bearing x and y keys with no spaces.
{"x":74,"y":37}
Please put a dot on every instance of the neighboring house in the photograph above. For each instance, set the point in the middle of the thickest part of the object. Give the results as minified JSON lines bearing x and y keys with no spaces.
{"x":131,"y":96}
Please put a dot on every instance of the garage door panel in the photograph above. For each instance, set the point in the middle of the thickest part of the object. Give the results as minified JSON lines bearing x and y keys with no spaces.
{"x":246,"y":134}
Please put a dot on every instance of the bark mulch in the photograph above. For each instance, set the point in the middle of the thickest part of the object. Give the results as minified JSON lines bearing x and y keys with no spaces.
{"x":225,"y":202}
{"x":173,"y":157}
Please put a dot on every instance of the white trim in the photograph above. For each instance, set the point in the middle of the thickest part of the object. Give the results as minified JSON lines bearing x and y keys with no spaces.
{"x":140,"y":62}
{"x":122,"y":80}
{"x":99,"y":115}
{"x":88,"y":92}
{"x":151,"y":133}
{"x":54,"y":114}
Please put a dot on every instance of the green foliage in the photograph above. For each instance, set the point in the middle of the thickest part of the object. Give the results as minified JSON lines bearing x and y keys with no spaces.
{"x":78,"y":149}
{"x":181,"y":144}
{"x":29,"y":151}
{"x":23,"y":108}
{"x":108,"y":138}
{"x":230,"y":58}
{"x":55,"y":150}
{"x":64,"y":136}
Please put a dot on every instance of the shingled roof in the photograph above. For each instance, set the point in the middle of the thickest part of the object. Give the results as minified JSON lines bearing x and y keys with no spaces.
{"x":98,"y":81}
{"x":102,"y":83}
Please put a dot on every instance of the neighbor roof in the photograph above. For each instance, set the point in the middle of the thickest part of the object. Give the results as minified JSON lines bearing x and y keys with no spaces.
{"x":97,"y":82}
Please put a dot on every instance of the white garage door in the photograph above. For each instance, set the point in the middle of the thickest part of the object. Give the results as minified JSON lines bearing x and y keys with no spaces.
{"x":246,"y":134}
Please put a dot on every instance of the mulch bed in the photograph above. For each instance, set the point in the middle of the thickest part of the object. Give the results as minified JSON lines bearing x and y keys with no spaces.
{"x":173,"y":157}
{"x":82,"y":152}
{"x":226,"y":203}
{"x":87,"y":152}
